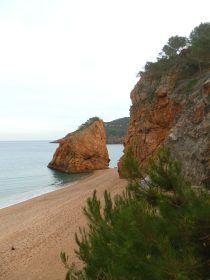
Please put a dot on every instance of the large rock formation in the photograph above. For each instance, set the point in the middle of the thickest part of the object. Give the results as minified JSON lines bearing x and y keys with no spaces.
{"x":173,"y":112}
{"x":83,"y":150}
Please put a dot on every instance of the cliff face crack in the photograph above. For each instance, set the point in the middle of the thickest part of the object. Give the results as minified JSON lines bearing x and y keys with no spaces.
{"x":87,"y":157}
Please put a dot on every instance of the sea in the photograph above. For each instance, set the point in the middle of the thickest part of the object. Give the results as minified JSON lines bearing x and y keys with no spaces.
{"x":24,"y":173}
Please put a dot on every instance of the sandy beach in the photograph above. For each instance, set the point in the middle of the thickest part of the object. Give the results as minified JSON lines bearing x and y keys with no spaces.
{"x":34,"y":232}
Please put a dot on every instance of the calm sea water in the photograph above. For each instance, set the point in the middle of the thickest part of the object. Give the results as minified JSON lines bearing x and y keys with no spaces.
{"x":24,"y":173}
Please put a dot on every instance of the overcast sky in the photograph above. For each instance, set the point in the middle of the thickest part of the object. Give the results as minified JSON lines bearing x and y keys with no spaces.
{"x":63,"y":61}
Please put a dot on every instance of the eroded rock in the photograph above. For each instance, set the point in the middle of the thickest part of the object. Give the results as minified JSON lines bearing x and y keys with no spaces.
{"x":82,"y":151}
{"x":171,"y":112}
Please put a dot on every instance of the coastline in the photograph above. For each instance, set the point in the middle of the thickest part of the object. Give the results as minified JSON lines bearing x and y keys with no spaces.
{"x":40,"y":228}
{"x":24,"y":173}
{"x":23,"y":197}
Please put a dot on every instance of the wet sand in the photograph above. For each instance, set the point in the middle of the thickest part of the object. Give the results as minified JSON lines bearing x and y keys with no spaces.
{"x":34,"y":232}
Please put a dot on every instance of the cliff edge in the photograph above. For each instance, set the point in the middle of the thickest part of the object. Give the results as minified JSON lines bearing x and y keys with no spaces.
{"x":83,"y":150}
{"x":173,"y":112}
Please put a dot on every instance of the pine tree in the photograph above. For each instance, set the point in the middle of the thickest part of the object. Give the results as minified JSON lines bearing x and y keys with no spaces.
{"x":159,"y":232}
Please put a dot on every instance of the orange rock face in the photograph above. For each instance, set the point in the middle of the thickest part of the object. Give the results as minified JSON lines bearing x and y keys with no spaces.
{"x":149,"y":127}
{"x":82,"y":151}
{"x":150,"y":122}
{"x":174,"y":112}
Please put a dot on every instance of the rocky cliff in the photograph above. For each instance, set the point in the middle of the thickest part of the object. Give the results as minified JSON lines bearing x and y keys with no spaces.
{"x":175,"y":112}
{"x":83,"y":150}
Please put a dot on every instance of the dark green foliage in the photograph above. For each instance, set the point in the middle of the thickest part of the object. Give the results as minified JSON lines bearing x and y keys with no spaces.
{"x":158,"y":68}
{"x":88,"y":123}
{"x":191,"y":84}
{"x":147,"y":233}
{"x":188,"y":67}
{"x":174,"y":46}
{"x":73,"y":273}
{"x":130,"y":166}
{"x":189,"y":55}
{"x":168,"y":58}
{"x":165,"y":172}
{"x":200,"y":43}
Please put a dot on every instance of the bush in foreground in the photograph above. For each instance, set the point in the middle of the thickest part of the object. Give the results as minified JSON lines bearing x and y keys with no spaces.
{"x":161,"y":231}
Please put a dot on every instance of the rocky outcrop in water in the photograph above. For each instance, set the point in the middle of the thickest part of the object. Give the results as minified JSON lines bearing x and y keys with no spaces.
{"x":176,"y":113}
{"x":83,"y":150}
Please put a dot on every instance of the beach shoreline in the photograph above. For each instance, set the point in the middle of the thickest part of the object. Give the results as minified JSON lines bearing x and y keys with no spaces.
{"x":23,"y":197}
{"x":34,"y":232}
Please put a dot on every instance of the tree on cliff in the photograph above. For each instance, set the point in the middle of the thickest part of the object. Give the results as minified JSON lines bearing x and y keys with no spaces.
{"x":158,"y":232}
{"x":187,"y":53}
{"x":167,"y":58}
{"x":174,"y":46}
{"x":200,"y":43}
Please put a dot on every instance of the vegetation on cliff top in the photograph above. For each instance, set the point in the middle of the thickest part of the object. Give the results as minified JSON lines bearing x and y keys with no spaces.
{"x":191,"y":54}
{"x":81,"y":127}
{"x":158,"y":229}
{"x":88,"y":123}
{"x":116,"y":130}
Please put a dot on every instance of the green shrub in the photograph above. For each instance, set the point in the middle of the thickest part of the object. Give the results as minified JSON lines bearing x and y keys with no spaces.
{"x":159,"y":232}
{"x":88,"y":123}
{"x":130,"y":166}
{"x":165,"y":172}
{"x":200,"y":44}
{"x":191,"y":84}
{"x":188,"y":86}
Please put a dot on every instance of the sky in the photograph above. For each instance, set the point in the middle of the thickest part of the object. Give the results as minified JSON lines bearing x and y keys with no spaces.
{"x":64,"y":61}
